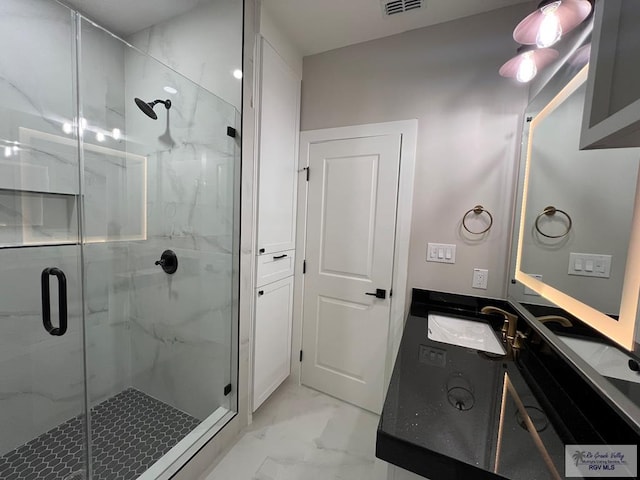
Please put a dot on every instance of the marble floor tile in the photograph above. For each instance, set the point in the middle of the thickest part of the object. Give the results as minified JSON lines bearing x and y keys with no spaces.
{"x":300,"y":433}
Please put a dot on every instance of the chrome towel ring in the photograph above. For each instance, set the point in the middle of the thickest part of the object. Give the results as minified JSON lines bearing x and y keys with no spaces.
{"x":549,"y":212}
{"x":478,"y":209}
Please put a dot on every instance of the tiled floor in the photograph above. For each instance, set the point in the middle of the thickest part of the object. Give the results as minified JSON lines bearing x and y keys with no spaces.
{"x":301,"y":434}
{"x":130,"y":432}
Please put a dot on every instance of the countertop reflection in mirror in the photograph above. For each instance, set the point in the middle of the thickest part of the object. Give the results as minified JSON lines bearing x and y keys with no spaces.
{"x":592,"y":268}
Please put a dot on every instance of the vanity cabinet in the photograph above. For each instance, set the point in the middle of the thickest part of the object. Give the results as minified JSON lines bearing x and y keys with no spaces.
{"x":611,"y":116}
{"x":278,"y":126}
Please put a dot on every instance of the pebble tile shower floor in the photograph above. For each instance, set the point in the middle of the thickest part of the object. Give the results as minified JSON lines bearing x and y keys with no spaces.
{"x":130,"y":431}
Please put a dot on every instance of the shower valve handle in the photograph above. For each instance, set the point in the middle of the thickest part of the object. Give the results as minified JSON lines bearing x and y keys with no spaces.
{"x":168,"y":261}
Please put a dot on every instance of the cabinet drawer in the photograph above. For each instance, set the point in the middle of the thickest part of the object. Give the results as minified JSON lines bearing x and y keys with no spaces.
{"x":275,"y":266}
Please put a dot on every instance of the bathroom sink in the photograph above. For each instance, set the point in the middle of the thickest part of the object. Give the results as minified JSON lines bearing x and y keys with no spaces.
{"x":464,"y":333}
{"x":606,"y":359}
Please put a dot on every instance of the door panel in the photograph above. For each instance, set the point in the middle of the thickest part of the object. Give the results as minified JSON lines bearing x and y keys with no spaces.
{"x":348,"y":204}
{"x":351,"y":213}
{"x":42,"y":381}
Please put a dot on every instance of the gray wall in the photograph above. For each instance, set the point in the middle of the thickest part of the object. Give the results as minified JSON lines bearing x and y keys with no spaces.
{"x":469,"y":117}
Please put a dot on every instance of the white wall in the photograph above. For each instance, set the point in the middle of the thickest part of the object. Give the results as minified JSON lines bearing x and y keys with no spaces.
{"x":270,"y":30}
{"x":469,"y":117}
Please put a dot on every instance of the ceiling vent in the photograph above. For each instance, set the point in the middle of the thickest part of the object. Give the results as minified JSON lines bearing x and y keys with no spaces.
{"x":393,"y":7}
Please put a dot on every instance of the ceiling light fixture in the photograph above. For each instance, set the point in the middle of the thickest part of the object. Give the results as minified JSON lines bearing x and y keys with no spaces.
{"x":525,"y":66}
{"x":551,"y":20}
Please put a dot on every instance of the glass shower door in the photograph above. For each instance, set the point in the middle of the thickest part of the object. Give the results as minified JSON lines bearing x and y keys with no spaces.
{"x":159,"y":215}
{"x":42,"y":384}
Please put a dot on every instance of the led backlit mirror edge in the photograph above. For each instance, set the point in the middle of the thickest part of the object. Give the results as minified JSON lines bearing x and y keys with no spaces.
{"x":622,"y":331}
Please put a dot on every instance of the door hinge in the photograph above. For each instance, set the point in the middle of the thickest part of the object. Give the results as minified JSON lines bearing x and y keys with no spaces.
{"x":307,"y":169}
{"x":304,"y":267}
{"x":231,"y":132}
{"x":391,"y":293}
{"x":300,"y":355}
{"x":227,"y":390}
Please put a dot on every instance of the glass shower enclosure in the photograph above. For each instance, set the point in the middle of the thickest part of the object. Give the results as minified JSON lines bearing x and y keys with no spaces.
{"x":118,"y":254}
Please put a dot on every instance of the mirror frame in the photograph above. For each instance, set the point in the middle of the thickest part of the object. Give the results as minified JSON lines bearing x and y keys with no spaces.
{"x":621,"y":331}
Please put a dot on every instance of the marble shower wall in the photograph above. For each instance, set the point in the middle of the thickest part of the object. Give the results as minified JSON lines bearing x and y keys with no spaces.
{"x":109,"y":175}
{"x":181,"y":323}
{"x":204,"y":45}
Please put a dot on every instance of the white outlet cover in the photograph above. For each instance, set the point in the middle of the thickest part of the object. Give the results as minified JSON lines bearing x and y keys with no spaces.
{"x":480,"y":278}
{"x":527,"y":290}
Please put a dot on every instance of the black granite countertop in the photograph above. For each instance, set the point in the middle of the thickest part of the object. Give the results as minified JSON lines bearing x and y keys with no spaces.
{"x":455,"y":413}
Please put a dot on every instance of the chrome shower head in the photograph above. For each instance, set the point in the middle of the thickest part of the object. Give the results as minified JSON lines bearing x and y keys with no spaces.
{"x":147,"y":107}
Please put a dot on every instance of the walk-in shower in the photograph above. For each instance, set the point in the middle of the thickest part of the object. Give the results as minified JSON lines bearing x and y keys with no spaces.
{"x":115,"y":362}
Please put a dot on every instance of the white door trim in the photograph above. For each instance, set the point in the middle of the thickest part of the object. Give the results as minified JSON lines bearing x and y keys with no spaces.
{"x":400,"y":300}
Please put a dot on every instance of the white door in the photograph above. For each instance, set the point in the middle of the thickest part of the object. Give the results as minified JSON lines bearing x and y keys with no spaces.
{"x":351,"y":213}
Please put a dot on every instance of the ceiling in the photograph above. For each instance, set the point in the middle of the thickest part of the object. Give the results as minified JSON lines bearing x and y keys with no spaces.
{"x":313,"y":25}
{"x":124,"y":17}
{"x":319,"y":25}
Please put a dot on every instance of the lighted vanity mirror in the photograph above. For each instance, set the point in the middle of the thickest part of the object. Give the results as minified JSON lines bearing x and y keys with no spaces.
{"x":584,"y":254}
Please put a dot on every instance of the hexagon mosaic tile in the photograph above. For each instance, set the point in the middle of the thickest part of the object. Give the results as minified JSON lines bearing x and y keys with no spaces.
{"x":130,"y":432}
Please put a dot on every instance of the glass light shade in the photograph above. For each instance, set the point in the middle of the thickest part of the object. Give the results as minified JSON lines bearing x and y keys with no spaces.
{"x":550,"y":30}
{"x":527,"y":69}
{"x":550,"y":21}
{"x":524,"y":66}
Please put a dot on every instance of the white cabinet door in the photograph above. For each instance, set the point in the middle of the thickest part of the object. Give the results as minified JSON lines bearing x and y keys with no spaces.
{"x":279,"y":123}
{"x":272,"y":346}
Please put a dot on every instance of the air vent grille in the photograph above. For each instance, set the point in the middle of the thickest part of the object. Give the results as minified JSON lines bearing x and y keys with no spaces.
{"x":394,"y":7}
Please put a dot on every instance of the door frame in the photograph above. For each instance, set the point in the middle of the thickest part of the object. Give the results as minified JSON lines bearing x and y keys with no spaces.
{"x":408,"y":129}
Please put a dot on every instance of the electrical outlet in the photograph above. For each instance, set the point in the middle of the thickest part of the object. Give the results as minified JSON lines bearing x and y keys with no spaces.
{"x":480,"y":278}
{"x":527,"y":290}
{"x":433,"y":356}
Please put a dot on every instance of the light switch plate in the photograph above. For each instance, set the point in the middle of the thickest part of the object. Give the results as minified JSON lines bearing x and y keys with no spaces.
{"x":590,"y":265}
{"x":441,"y":253}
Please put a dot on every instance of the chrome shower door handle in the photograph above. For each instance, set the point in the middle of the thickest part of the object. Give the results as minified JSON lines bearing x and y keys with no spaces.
{"x":61,"y":329}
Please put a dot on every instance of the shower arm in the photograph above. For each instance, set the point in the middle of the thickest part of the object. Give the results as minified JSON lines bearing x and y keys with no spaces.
{"x":166,"y":103}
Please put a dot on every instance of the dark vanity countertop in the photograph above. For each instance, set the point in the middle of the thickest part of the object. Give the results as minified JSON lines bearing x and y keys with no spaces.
{"x":449,"y":410}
